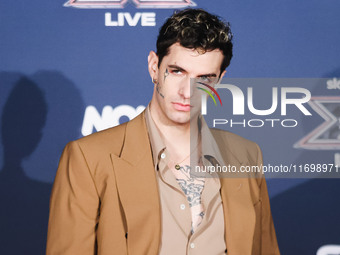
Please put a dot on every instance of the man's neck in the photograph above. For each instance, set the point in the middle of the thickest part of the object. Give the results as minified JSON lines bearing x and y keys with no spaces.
{"x":175,"y":136}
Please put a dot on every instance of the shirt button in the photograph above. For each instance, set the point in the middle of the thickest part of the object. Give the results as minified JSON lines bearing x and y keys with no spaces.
{"x":182,"y":206}
{"x":163,"y":155}
{"x":192,"y":245}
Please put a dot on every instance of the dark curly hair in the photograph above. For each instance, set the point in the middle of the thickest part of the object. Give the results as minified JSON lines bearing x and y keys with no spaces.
{"x":196,"y":29}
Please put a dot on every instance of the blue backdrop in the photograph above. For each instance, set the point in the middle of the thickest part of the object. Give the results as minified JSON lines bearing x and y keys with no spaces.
{"x":66,"y":72}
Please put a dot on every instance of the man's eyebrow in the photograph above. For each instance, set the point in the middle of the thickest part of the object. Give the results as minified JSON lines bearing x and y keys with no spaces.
{"x":183,"y":70}
{"x":207,"y":75}
{"x":177,"y":67}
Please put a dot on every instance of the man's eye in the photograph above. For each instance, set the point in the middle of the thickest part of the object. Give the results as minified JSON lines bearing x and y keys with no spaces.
{"x":176,"y":71}
{"x":205,"y":79}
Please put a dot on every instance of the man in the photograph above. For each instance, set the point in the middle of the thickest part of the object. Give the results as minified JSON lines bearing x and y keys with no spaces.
{"x":132,"y":189}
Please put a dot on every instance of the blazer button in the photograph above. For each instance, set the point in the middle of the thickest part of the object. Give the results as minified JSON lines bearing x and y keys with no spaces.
{"x":226,"y":251}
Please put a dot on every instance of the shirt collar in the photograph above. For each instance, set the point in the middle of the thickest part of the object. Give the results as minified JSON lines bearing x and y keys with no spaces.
{"x":156,"y":141}
{"x":209,"y":146}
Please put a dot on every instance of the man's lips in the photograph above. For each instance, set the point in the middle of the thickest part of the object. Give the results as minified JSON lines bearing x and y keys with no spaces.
{"x":182,"y":107}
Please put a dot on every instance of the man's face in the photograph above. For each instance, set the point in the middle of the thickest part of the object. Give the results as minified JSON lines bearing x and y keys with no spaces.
{"x":176,"y":98}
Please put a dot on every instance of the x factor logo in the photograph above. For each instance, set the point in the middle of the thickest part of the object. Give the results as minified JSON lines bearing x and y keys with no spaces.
{"x":209,"y":93}
{"x":327,"y":135}
{"x":119,"y":4}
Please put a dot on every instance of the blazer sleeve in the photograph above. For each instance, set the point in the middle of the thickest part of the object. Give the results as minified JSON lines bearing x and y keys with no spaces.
{"x":269,"y":245}
{"x":73,"y":206}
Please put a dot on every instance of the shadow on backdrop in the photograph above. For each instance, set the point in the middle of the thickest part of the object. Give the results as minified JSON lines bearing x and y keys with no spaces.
{"x":65,"y":115}
{"x":30,"y":117}
{"x":23,"y":201}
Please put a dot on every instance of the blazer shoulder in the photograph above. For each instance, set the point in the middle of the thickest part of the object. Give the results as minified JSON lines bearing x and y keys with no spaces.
{"x":109,"y":140}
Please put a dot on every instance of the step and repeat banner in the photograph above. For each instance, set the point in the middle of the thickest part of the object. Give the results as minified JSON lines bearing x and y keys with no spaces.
{"x":72,"y":68}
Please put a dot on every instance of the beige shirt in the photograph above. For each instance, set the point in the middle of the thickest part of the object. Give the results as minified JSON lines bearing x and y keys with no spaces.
{"x":178,"y":236}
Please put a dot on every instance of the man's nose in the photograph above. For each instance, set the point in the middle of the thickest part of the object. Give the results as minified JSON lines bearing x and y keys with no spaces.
{"x":186,"y":87}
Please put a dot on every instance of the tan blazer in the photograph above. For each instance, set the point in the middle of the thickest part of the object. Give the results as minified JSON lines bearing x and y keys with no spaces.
{"x":105,"y":197}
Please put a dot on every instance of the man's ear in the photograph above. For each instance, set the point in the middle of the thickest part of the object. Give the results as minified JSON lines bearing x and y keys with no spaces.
{"x":153,"y":65}
{"x":221,"y":76}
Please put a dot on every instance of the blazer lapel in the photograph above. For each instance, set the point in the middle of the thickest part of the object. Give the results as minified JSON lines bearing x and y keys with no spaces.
{"x":239,"y":215}
{"x":138,"y":189}
{"x":238,"y":208}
